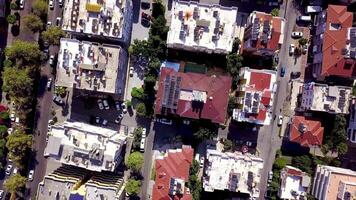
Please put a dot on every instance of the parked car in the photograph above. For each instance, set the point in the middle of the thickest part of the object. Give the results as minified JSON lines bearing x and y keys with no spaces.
{"x":305,"y":49}
{"x":145,"y":23}
{"x":15,"y":170}
{"x":306,"y":18}
{"x":106,"y":104}
{"x":58,"y":21}
{"x":49,"y":84}
{"x":100,"y":104}
{"x":51,"y":4}
{"x":12,"y":116}
{"x":119,"y":118}
{"x":49,"y":23}
{"x":146,"y":16}
{"x":201,"y":164}
{"x":117,"y":105}
{"x":283,"y":71}
{"x":297,"y":34}
{"x":58,"y":100}
{"x":30,"y":175}
{"x":143,"y":140}
{"x":51,"y":60}
{"x":9,"y":131}
{"x":291,"y":49}
{"x":270,"y":176}
{"x":1,"y":194}
{"x":294,"y":75}
{"x":123,"y":107}
{"x":8,"y":169}
{"x":22,"y":4}
{"x":60,"y":3}
{"x":131,"y":71}
{"x":280,"y":120}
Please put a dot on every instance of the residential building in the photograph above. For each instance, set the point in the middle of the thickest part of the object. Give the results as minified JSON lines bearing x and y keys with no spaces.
{"x":87,"y":146}
{"x":264,"y":33}
{"x":255,"y":91}
{"x":202,"y":27}
{"x":351,"y":130}
{"x":172,"y":174}
{"x":306,"y":132}
{"x":105,"y":20}
{"x":76,"y":183}
{"x":347,"y":2}
{"x":91,"y":66}
{"x":294,"y":183}
{"x":334,"y":44}
{"x":235,"y":172}
{"x":334,"y":183}
{"x":192,"y":95}
{"x":324,"y":98}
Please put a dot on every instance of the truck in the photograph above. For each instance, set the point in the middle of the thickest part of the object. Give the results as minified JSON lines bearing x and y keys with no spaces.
{"x":313,"y":9}
{"x":305,"y":18}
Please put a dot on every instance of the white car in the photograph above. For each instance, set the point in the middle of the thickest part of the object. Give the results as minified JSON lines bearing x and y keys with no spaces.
{"x":297,"y":34}
{"x":201,"y":164}
{"x":291,"y":49}
{"x":280,"y":120}
{"x":15,"y":170}
{"x":143,"y":140}
{"x":49,"y":84}
{"x":22,"y":4}
{"x":123,"y":107}
{"x":12,"y":116}
{"x":117,"y":105}
{"x":131,"y":71}
{"x":100,"y":104}
{"x":1,"y":194}
{"x":270,"y":176}
{"x":9,"y":131}
{"x":30,"y":175}
{"x":60,"y":3}
{"x":8,"y":169}
{"x":164,"y":121}
{"x":58,"y":21}
{"x":51,"y":60}
{"x":106,"y":104}
{"x":51,"y":4}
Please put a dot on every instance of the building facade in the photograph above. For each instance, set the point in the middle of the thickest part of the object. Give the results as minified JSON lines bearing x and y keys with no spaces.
{"x":351,"y":130}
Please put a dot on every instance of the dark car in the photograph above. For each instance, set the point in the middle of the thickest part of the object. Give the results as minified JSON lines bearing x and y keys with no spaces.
{"x":145,"y":5}
{"x":145,"y":22}
{"x":294,"y":75}
{"x":146,"y":16}
{"x":58,"y":100}
{"x":283,"y":71}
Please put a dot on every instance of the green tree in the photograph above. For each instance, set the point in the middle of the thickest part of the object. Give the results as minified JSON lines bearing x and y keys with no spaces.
{"x":236,"y":45}
{"x":52,"y":35}
{"x":302,"y":41}
{"x":4,"y":115}
{"x":337,"y":135}
{"x":137,"y":133}
{"x":227,"y":145}
{"x":14,"y":6}
{"x":2,"y":150}
{"x":141,"y":109}
{"x":39,"y":8}
{"x":61,"y":91}
{"x":304,"y":163}
{"x":233,"y":63}
{"x":135,"y":161}
{"x":7,"y":63}
{"x":14,"y":184}
{"x":23,"y":51}
{"x":280,"y":163}
{"x":194,"y":168}
{"x":33,"y":22}
{"x":150,"y":80}
{"x":137,"y":93}
{"x":18,"y":144}
{"x":133,"y":187}
{"x":231,"y":105}
{"x":275,"y":12}
{"x":158,"y":9}
{"x":203,"y":134}
{"x":3,"y":131}
{"x":159,"y":28}
{"x":11,"y":19}
{"x":139,"y":48}
{"x":17,"y":83}
{"x":342,"y":148}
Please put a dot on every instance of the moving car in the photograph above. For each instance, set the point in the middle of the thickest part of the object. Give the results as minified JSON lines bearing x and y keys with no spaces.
{"x":58,"y":100}
{"x":100,"y":104}
{"x":106,"y":104}
{"x":297,"y":34}
{"x":291,"y":49}
{"x":283,"y":71}
{"x":8,"y":169}
{"x":49,"y":84}
{"x":280,"y":120}
{"x":51,"y":4}
{"x":30,"y":175}
{"x":131,"y":71}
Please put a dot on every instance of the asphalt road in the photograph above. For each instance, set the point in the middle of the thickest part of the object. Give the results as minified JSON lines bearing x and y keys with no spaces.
{"x":44,"y":102}
{"x":268,"y":137}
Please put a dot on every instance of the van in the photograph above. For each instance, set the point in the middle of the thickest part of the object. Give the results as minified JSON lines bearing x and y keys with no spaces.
{"x":313,"y":9}
{"x":305,"y":18}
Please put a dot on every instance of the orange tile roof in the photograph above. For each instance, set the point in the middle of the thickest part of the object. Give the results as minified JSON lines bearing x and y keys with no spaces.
{"x":313,"y":133}
{"x":174,"y":165}
{"x":334,"y":41}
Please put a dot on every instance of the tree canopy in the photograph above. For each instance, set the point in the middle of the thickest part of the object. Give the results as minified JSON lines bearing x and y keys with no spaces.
{"x":139,"y":48}
{"x":280,"y":162}
{"x":275,"y":12}
{"x":203,"y":134}
{"x":39,"y":8}
{"x":133,"y":187}
{"x":52,"y":35}
{"x":137,"y":133}
{"x":141,"y":109}
{"x":28,"y":52}
{"x":137,"y":93}
{"x":135,"y":161}
{"x":14,"y":183}
{"x":233,"y":63}
{"x":33,"y":22}
{"x":18,"y":144}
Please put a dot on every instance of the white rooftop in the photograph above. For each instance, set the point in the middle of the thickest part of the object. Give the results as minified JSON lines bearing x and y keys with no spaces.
{"x":321,"y":97}
{"x":83,"y":145}
{"x":202,"y":27}
{"x":88,"y":66}
{"x":96,"y":17}
{"x":233,"y":171}
{"x":294,"y":183}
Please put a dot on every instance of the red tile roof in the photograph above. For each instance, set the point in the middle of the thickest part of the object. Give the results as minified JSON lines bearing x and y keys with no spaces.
{"x":216,"y":87}
{"x":334,"y":41}
{"x":313,"y":132}
{"x":174,"y":165}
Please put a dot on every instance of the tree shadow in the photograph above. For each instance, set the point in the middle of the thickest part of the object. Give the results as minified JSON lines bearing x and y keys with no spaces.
{"x":15,"y":30}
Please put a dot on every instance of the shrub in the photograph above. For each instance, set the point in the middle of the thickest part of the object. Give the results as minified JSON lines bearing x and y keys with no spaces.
{"x":14,"y":6}
{"x":141,"y":109}
{"x":11,"y":19}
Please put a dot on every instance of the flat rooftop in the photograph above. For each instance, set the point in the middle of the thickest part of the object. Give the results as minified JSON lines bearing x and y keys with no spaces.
{"x":83,"y":145}
{"x":95,"y":17}
{"x":202,"y":27}
{"x":232,"y":171}
{"x":88,"y":66}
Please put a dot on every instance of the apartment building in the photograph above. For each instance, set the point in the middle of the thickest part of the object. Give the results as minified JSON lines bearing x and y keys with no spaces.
{"x":202,"y":27}
{"x":334,"y":183}
{"x":93,"y":67}
{"x":306,"y":132}
{"x":86,"y":146}
{"x":192,"y":95}
{"x":324,"y":98}
{"x":77,"y":183}
{"x":351,"y":130}
{"x":109,"y":20}
{"x":334,"y":44}
{"x":235,"y":172}
{"x":264,"y":34}
{"x":294,"y":183}
{"x":172,"y":174}
{"x":255,"y":91}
